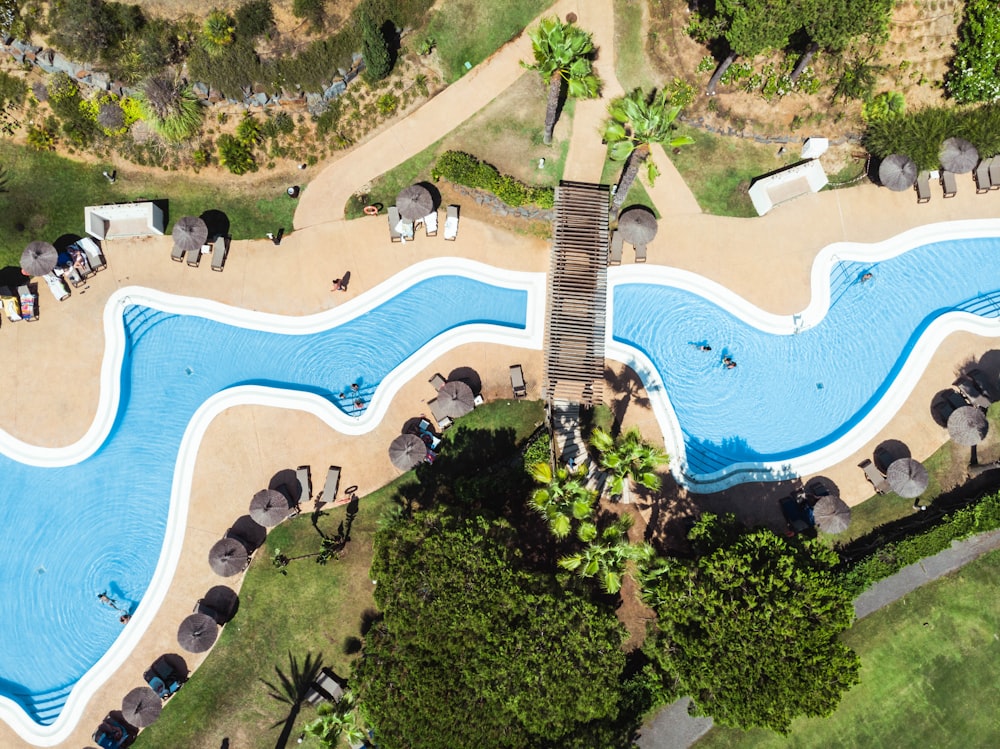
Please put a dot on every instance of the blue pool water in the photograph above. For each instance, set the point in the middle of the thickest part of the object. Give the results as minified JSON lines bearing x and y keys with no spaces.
{"x":70,"y":533}
{"x":790,"y":395}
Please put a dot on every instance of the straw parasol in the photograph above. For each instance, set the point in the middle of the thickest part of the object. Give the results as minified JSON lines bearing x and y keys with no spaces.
{"x":190,"y":233}
{"x":967,"y":426}
{"x":897,"y":172}
{"x":456,"y":399}
{"x":141,"y":707}
{"x":959,"y":156}
{"x":414,"y":202}
{"x":38,"y":259}
{"x":269,"y":507}
{"x":907,"y":477}
{"x":637,"y":226}
{"x":406,"y":451}
{"x":197,"y":633}
{"x":832,"y":515}
{"x":227,"y":557}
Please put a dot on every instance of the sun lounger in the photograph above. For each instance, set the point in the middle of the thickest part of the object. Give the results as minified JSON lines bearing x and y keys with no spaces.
{"x":437,"y":381}
{"x":194,"y":256}
{"x":162,"y":672}
{"x":923,"y":187}
{"x":93,"y":252}
{"x":982,"y":176}
{"x":444,"y":422}
{"x":948,"y":184}
{"x":405,"y":229}
{"x":451,"y":223}
{"x":394,"y":235}
{"x":995,"y":173}
{"x":305,"y":483}
{"x":57,"y":286}
{"x":615,"y":252}
{"x":436,"y":410}
{"x":431,"y":224}
{"x":219,"y":253}
{"x":972,"y":392}
{"x":640,"y":253}
{"x":80,"y":261}
{"x":11,"y":304}
{"x":517,"y":381}
{"x":874,"y":476}
{"x":326,"y":687}
{"x":177,"y":254}
{"x":29,"y":304}
{"x":329,"y":493}
{"x":69,"y":273}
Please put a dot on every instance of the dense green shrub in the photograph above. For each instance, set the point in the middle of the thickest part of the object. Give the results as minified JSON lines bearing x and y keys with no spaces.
{"x":975,"y":72}
{"x":92,"y":29}
{"x":374,"y":46}
{"x":229,"y":71}
{"x":920,"y":134}
{"x":254,"y":18}
{"x":248,"y":131}
{"x":41,"y":138}
{"x":77,"y":119}
{"x":464,"y":169}
{"x":236,"y":155}
{"x":12,"y":90}
{"x":313,"y":11}
{"x":170,"y":107}
{"x":538,"y":450}
{"x":983,"y":516}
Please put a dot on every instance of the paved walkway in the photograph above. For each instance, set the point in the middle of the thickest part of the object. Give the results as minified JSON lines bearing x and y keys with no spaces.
{"x":673,"y":728}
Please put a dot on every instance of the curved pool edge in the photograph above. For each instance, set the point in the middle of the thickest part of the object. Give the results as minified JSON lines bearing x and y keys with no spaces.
{"x":530,"y":337}
{"x":876,"y":419}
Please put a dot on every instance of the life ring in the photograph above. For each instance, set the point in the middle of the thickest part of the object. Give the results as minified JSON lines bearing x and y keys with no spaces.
{"x":371,"y":210}
{"x":350,"y":490}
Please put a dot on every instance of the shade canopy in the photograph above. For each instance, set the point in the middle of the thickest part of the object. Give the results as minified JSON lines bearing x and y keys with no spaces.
{"x":141,"y":707}
{"x":39,"y":258}
{"x":832,"y":515}
{"x":959,"y":156}
{"x":907,"y":477}
{"x":414,"y":202}
{"x":406,"y":451}
{"x":228,"y":557}
{"x":897,"y":172}
{"x":637,"y":226}
{"x":967,"y":426}
{"x":197,"y":633}
{"x":455,"y":399}
{"x":190,"y":233}
{"x":269,"y":507}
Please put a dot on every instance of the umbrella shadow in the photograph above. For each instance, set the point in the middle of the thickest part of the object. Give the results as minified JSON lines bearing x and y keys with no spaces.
{"x":469,"y":376}
{"x":888,"y":452}
{"x":64,"y":241}
{"x":944,"y":404}
{"x":287,"y":482}
{"x":174,"y":663}
{"x":435,"y":193}
{"x":249,"y":532}
{"x":217,"y":223}
{"x":221,"y":603}
{"x":11,"y":276}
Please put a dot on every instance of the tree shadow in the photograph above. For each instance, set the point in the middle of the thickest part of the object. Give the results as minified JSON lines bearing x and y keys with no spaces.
{"x":369,"y":618}
{"x":291,"y":689}
{"x":628,"y":389}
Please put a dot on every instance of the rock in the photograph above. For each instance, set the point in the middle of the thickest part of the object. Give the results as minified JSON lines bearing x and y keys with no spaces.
{"x":260,"y":99}
{"x":335,"y":90}
{"x":200,"y":90}
{"x":100,"y":80}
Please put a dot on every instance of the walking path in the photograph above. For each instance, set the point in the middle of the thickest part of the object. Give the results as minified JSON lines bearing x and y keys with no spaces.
{"x":673,"y":728}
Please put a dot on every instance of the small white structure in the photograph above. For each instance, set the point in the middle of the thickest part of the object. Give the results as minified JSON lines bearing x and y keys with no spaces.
{"x":785,"y":184}
{"x":813,"y":148}
{"x":123,"y":220}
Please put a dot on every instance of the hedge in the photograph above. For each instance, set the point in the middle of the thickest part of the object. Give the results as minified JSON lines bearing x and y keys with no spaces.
{"x":862,"y":574}
{"x":464,"y":169}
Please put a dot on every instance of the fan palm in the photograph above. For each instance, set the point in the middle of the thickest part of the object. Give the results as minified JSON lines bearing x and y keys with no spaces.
{"x":628,"y":459}
{"x":608,"y":559}
{"x":562,"y":499}
{"x":217,"y":32}
{"x":562,"y":54}
{"x":637,"y":121}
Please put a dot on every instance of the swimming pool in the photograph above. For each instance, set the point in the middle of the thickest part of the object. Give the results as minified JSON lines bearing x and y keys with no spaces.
{"x":807,"y":389}
{"x":108,"y":513}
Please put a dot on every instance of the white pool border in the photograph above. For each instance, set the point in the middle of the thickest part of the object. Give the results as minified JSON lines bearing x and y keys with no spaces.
{"x":819,"y":304}
{"x":531,"y":337}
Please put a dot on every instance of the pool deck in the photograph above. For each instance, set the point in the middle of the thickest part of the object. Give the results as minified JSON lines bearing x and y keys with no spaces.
{"x":51,"y":393}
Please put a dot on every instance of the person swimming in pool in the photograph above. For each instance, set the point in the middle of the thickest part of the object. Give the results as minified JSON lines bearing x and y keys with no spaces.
{"x":702,"y":346}
{"x":728,"y":362}
{"x":867,"y":277}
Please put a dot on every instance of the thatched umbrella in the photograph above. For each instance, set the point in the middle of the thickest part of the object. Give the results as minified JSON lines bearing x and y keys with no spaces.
{"x":190,"y":233}
{"x":141,"y":707}
{"x":907,"y":477}
{"x":269,"y":507}
{"x":228,"y":557}
{"x":406,"y":451}
{"x":959,"y":156}
{"x":897,"y":172}
{"x":967,"y":426}
{"x":832,"y":515}
{"x":38,"y":259}
{"x":455,"y":399}
{"x":414,"y":202}
{"x":197,"y":633}
{"x":637,"y":226}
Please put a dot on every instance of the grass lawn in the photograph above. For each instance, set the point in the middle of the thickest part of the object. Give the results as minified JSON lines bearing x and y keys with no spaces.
{"x":46,"y":194}
{"x":470,"y":31}
{"x":632,"y":68}
{"x":315,"y":612}
{"x":928,"y":676}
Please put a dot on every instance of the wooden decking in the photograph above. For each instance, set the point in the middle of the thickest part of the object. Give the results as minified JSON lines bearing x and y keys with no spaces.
{"x":575,"y":317}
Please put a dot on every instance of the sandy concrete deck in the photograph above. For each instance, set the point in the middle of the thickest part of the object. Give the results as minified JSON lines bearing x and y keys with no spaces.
{"x":767,"y":260}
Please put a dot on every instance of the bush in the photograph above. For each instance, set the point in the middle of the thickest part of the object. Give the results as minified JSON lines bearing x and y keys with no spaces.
{"x":230,"y":71}
{"x":254,"y":18}
{"x":975,"y":71}
{"x":920,"y":134}
{"x":217,"y":33}
{"x":248,"y":131}
{"x":374,"y":47}
{"x":387,"y":104}
{"x":464,"y":169}
{"x":236,"y":155}
{"x":170,"y":107}
{"x":41,"y":138}
{"x":312,"y":11}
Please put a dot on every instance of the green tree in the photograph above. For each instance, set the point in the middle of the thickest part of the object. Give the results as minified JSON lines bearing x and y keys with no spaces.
{"x":628,"y":459}
{"x":218,"y":32}
{"x":334,"y":721}
{"x":833,"y":24}
{"x":473,"y":650}
{"x":563,"y":55}
{"x":562,"y":499}
{"x":753,"y":26}
{"x":975,"y":70}
{"x":374,"y":46}
{"x":637,"y":121}
{"x":609,"y":556}
{"x":749,"y":628}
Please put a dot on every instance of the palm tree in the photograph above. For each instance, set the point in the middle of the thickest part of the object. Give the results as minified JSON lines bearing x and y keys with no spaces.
{"x":637,"y":121}
{"x":628,"y":459}
{"x":609,"y":558}
{"x":562,"y":499}
{"x":217,"y":32}
{"x":562,"y":53}
{"x":338,"y":720}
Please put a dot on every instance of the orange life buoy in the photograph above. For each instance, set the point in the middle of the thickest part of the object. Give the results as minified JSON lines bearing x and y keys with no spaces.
{"x":371,"y":210}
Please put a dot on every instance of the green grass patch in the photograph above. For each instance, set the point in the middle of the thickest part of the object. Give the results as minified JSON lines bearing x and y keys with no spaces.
{"x":632,"y":67}
{"x":46,"y":195}
{"x":928,"y":674}
{"x":386,"y":187}
{"x":719,"y":170}
{"x":470,"y":31}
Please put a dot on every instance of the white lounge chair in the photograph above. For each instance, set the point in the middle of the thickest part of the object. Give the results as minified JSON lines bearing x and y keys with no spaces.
{"x":394,"y":234}
{"x":94,"y":254}
{"x":451,"y":223}
{"x":640,"y":253}
{"x":57,"y":286}
{"x":329,"y":493}
{"x":431,"y":224}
